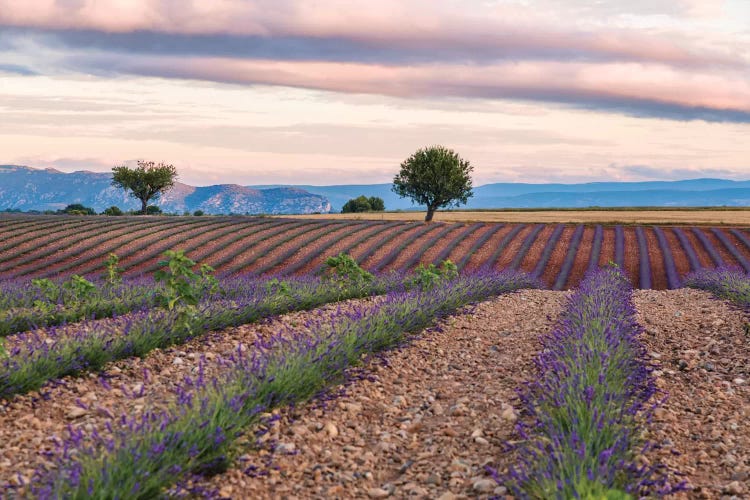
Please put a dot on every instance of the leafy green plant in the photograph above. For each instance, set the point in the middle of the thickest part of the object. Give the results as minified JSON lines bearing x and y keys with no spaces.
{"x":344,"y":268}
{"x":48,"y":288}
{"x":427,"y":277}
{"x":78,"y":289}
{"x":114,"y":273}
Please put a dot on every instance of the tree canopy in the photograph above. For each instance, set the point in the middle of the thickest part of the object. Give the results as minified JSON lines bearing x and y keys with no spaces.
{"x":145,"y":182}
{"x":436,"y":177}
{"x":363,"y":204}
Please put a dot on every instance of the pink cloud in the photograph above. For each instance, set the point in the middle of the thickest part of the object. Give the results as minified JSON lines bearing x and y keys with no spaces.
{"x":603,"y":85}
{"x":489,"y":29}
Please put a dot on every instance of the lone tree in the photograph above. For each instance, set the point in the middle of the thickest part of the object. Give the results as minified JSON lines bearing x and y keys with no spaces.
{"x":436,"y":177}
{"x":146,"y":182}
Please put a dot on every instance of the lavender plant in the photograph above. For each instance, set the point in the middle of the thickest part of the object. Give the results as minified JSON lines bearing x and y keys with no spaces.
{"x":728,"y":283}
{"x":620,"y":246}
{"x":141,"y":457}
{"x":479,"y":243}
{"x":580,"y":435}
{"x":710,"y":248}
{"x":525,"y":246}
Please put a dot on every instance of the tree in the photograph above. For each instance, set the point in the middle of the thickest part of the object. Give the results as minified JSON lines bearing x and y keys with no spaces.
{"x":77,"y":209}
{"x":436,"y":177}
{"x":153,"y":210}
{"x":376,"y":204}
{"x":146,"y":182}
{"x":113,"y":210}
{"x":363,"y":204}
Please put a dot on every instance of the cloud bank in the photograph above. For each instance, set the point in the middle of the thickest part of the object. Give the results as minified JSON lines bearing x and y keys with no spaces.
{"x":405,"y":48}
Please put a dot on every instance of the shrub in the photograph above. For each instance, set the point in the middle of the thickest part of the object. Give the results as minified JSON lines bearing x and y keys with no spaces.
{"x":198,"y":213}
{"x":426,"y":278}
{"x":363,"y":204}
{"x":113,"y":210}
{"x":153,"y":210}
{"x":77,"y":209}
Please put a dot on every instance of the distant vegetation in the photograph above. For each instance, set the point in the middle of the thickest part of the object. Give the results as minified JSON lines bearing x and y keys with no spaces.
{"x":436,"y":177}
{"x":77,"y":209}
{"x":146,"y":182}
{"x":363,"y":204}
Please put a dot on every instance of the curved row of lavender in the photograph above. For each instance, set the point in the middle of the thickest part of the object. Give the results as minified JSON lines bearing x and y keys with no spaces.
{"x":730,"y":283}
{"x":580,"y":437}
{"x":141,"y":457}
{"x":34,"y":359}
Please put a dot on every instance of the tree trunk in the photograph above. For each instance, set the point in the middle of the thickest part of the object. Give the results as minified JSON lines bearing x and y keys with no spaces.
{"x":144,"y":205}
{"x":430,"y":213}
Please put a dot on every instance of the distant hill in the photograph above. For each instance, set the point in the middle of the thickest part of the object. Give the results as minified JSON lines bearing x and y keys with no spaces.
{"x":686,"y":193}
{"x":27,"y":188}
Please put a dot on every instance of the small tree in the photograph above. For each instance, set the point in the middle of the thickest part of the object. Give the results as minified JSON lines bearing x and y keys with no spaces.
{"x":77,"y":209}
{"x":113,"y":210}
{"x":363,"y":204}
{"x":145,"y":182}
{"x":436,"y":177}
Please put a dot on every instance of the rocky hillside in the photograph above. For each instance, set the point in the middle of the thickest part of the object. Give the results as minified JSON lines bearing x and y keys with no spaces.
{"x":27,"y":188}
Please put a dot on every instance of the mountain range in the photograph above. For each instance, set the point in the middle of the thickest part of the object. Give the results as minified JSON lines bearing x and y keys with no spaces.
{"x":26,"y":188}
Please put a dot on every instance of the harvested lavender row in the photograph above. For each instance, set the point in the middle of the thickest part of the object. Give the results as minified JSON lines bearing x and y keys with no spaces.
{"x":433,"y":241}
{"x":570,"y":258}
{"x":692,"y":257}
{"x":644,"y":264}
{"x":34,"y":360}
{"x":142,"y":457}
{"x":492,"y":260}
{"x":478,"y":244}
{"x":585,"y":407}
{"x":710,"y":248}
{"x":673,"y":280}
{"x":525,"y":246}
{"x":446,"y":251}
{"x":731,"y":248}
{"x":728,"y":283}
{"x":549,"y":247}
{"x":620,"y":247}
{"x":393,"y":254}
{"x":596,"y":247}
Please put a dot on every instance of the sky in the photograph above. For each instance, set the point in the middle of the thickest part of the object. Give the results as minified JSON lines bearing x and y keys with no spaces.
{"x":342,"y":91}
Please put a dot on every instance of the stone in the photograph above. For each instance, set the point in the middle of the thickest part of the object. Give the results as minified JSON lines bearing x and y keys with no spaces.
{"x":178,"y":361}
{"x":734,"y":488}
{"x":378,"y":493}
{"x":484,"y":485}
{"x":509,"y":414}
{"x":76,"y":412}
{"x":331,"y":429}
{"x":481,"y":440}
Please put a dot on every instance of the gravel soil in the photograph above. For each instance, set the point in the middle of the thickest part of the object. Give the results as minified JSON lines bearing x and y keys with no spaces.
{"x":424,"y":421}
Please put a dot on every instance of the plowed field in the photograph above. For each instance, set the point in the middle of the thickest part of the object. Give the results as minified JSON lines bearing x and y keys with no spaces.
{"x":653,"y":256}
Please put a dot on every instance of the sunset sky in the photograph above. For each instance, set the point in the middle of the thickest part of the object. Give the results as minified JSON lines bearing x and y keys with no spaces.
{"x":341,"y":91}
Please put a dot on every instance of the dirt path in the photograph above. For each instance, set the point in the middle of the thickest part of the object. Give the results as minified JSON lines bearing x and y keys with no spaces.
{"x":423,"y":422}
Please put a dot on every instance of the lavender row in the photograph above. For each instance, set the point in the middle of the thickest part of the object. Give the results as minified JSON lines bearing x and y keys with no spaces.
{"x":525,"y":246}
{"x":548,"y":249}
{"x":692,"y":257}
{"x":673,"y":279}
{"x":710,"y":248}
{"x":570,"y":258}
{"x":596,"y":248}
{"x":620,"y":247}
{"x":478,"y":244}
{"x":731,"y":248}
{"x":732,"y":284}
{"x":580,"y":435}
{"x":142,"y":457}
{"x":33,"y":360}
{"x":644,"y":264}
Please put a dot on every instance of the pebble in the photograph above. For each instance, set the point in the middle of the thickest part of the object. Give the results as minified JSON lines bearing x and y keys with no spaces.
{"x":484,"y":485}
{"x":76,"y":412}
{"x":331,"y":429}
{"x":378,"y":493}
{"x":178,"y":361}
{"x":734,"y":488}
{"x":739,"y":381}
{"x":509,"y":414}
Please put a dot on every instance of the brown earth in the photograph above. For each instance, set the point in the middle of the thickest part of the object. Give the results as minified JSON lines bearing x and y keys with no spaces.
{"x":243,"y":244}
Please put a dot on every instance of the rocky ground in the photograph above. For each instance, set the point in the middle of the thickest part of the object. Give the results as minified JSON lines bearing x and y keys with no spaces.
{"x":425,"y":420}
